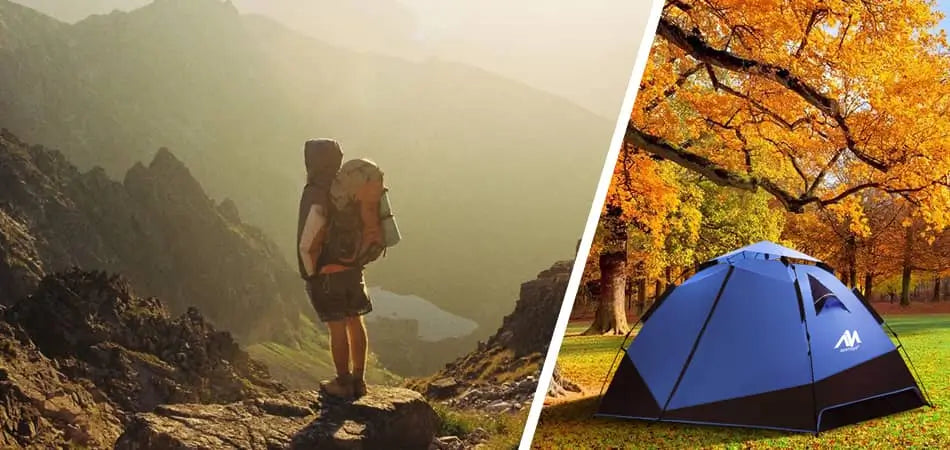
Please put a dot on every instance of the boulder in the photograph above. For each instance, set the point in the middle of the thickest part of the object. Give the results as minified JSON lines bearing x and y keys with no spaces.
{"x":443,"y":388}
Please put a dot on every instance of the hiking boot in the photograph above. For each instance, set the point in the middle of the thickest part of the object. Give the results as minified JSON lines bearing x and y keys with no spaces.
{"x":341,"y":386}
{"x":359,"y":387}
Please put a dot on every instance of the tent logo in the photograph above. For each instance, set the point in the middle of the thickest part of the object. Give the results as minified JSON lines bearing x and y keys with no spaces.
{"x":850,"y":340}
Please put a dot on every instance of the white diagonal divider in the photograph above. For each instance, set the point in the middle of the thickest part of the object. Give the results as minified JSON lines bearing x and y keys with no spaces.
{"x":600,"y":195}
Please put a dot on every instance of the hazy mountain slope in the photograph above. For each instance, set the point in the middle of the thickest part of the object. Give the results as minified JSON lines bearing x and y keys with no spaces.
{"x":160,"y":230}
{"x":468,"y":155}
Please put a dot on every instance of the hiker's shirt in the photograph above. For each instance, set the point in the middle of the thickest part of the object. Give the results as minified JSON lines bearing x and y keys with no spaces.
{"x":311,"y":238}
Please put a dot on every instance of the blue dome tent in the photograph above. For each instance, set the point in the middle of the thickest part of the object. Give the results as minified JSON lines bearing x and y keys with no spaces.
{"x":762,"y":337}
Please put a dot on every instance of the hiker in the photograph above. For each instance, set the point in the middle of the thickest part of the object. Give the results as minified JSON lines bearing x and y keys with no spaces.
{"x":344,"y":223}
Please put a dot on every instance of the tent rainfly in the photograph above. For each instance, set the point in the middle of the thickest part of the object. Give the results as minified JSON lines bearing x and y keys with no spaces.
{"x":762,"y":337}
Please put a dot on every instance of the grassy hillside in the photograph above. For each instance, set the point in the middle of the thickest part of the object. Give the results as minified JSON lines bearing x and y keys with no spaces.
{"x":306,"y":363}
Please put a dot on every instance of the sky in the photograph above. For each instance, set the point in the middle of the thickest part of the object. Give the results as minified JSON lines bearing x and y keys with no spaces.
{"x":944,"y":7}
{"x":583,"y":50}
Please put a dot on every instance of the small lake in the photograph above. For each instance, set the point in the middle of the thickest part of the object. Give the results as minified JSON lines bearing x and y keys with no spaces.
{"x":435,"y":323}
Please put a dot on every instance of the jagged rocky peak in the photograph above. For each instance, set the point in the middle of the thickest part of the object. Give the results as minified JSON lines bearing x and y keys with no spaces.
{"x":166,"y":177}
{"x":158,"y":227}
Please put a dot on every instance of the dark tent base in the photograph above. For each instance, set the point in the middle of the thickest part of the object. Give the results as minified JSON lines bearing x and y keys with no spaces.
{"x":705,"y":424}
{"x":860,"y":411}
{"x":785,"y":410}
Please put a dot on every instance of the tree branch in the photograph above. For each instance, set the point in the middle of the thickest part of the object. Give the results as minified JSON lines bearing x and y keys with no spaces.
{"x":724,"y":177}
{"x":776,"y":117}
{"x":668,"y":92}
{"x":787,"y":152}
{"x":698,"y":48}
{"x":823,"y":171}
{"x":707,"y":168}
{"x":816,"y":15}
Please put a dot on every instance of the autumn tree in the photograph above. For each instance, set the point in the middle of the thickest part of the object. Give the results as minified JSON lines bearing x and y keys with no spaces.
{"x":813,"y":102}
{"x":638,"y":202}
{"x":861,"y":235}
{"x":733,"y":218}
{"x":925,"y":253}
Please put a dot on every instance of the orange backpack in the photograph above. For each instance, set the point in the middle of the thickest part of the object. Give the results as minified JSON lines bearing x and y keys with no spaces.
{"x":361,"y":224}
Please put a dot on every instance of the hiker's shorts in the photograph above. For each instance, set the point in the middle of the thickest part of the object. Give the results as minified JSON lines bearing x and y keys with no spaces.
{"x":336,"y":296}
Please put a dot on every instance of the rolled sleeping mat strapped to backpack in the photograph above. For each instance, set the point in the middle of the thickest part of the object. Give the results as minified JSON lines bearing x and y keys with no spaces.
{"x":391,"y":234}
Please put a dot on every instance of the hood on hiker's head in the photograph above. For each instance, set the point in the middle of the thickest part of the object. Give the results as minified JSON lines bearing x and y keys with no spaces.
{"x":323,"y":158}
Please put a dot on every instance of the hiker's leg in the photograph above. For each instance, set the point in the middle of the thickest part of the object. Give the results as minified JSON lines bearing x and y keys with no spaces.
{"x":356,"y":331}
{"x":339,"y":347}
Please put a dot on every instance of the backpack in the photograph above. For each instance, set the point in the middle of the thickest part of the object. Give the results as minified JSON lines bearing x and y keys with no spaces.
{"x":361,"y":225}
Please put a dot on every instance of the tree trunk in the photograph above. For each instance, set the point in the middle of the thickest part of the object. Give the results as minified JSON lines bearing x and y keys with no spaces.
{"x":560,"y":386}
{"x":851,"y":247}
{"x":628,"y":299}
{"x":868,"y":284}
{"x":611,"y":317}
{"x":641,"y":296}
{"x":657,"y":289}
{"x":906,"y":273}
{"x":936,"y":289}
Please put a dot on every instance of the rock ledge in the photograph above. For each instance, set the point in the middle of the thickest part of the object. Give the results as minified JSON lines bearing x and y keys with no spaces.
{"x":385,"y":418}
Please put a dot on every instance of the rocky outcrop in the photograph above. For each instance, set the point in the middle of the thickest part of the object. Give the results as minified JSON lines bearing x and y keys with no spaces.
{"x":20,"y":265}
{"x":528,"y":329}
{"x":384,"y":418}
{"x":82,"y":354}
{"x":84,"y":362}
{"x":158,"y":228}
{"x":501,"y":374}
{"x":42,"y":408}
{"x":95,"y":329}
{"x":509,"y":396}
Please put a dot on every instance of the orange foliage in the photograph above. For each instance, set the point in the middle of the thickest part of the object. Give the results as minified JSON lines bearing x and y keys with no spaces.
{"x":815,"y":101}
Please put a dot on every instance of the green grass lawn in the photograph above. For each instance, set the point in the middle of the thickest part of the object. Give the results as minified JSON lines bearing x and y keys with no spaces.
{"x":585,"y":359}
